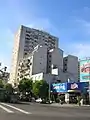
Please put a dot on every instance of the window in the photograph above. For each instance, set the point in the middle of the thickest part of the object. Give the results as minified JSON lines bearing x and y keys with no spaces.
{"x":45,"y":43}
{"x":28,"y":60}
{"x":30,"y":63}
{"x":27,"y":38}
{"x":35,"y":41}
{"x":27,"y":31}
{"x":25,"y":53}
{"x":65,"y":64}
{"x":27,"y":35}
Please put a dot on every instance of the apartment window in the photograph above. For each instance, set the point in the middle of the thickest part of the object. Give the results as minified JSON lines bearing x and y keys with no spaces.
{"x":35,"y":41}
{"x":27,"y":38}
{"x":45,"y":43}
{"x":30,"y":63}
{"x":27,"y":35}
{"x":25,"y":53}
{"x":50,"y":56}
{"x":28,"y":31}
{"x":28,"y":60}
{"x":65,"y":70}
{"x":65,"y":64}
{"x":49,"y":60}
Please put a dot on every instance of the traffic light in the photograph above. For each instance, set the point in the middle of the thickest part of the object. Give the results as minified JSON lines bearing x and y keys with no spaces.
{"x":5,"y":68}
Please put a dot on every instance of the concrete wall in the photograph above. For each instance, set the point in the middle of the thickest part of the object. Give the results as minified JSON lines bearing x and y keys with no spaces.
{"x":72,"y":67}
{"x":57,"y":59}
{"x":40,"y":60}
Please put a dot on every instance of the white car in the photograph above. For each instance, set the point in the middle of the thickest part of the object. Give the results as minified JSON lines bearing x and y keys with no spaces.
{"x":39,"y":100}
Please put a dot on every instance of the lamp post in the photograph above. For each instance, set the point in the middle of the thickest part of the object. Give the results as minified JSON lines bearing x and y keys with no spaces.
{"x":49,"y":94}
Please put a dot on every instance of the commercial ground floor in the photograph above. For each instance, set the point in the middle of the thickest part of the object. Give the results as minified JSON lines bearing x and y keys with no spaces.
{"x":72,"y":92}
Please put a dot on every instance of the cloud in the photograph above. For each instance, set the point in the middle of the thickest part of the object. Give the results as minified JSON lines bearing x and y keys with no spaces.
{"x":78,"y":49}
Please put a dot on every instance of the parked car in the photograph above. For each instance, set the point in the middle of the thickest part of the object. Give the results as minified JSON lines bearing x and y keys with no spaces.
{"x":38,"y":100}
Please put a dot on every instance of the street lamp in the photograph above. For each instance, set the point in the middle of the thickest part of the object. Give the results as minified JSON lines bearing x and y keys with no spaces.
{"x":49,"y":89}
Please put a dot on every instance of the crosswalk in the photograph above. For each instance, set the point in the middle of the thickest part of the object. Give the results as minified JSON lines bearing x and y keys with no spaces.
{"x":8,"y":108}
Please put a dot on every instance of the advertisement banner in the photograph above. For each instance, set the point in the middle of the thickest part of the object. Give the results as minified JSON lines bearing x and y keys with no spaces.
{"x":80,"y":86}
{"x":84,"y":70}
{"x":59,"y":87}
{"x":73,"y":86}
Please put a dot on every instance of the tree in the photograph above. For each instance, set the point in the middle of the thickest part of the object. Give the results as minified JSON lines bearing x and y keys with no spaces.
{"x":8,"y":87}
{"x":25,"y":85}
{"x":40,"y":89}
{"x":1,"y":84}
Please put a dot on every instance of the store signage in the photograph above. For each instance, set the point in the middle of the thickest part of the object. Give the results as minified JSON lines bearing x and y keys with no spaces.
{"x":60,"y":87}
{"x":74,"y":86}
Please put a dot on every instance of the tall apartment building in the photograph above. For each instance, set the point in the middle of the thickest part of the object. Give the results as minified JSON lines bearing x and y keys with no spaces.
{"x":70,"y":67}
{"x":26,"y":39}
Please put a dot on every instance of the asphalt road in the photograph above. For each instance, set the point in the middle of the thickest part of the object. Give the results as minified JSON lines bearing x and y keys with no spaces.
{"x":42,"y":112}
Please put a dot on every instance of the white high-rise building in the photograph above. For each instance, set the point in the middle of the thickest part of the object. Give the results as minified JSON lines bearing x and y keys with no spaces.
{"x":26,"y":39}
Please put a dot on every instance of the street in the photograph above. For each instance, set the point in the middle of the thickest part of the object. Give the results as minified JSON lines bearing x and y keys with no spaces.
{"x":42,"y":112}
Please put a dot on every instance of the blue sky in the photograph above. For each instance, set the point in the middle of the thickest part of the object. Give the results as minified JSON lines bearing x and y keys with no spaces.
{"x":67,"y":19}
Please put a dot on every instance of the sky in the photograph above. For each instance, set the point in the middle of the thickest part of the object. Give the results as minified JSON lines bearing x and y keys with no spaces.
{"x":69,"y":20}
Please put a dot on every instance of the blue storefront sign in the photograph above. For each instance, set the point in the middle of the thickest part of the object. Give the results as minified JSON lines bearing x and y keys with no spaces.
{"x":60,"y":87}
{"x":73,"y":86}
{"x":79,"y":86}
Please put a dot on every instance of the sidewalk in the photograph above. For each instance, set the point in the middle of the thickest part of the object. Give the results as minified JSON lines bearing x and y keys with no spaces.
{"x":67,"y":105}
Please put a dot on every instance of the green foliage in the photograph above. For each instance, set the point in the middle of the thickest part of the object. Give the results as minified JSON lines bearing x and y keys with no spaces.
{"x":1,"y":84}
{"x":8,"y":87}
{"x":25,"y":85}
{"x":40,"y":89}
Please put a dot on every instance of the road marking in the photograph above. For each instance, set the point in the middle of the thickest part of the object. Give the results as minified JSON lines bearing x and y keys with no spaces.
{"x":7,"y":110}
{"x":18,"y":109}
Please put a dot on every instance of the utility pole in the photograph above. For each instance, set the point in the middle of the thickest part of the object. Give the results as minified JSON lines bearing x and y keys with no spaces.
{"x":49,"y":90}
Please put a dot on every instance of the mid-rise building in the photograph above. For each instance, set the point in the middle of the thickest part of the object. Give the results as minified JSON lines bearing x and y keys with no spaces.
{"x":38,"y":62}
{"x":26,"y":39}
{"x":35,"y":63}
{"x":70,"y":67}
{"x":55,"y":60}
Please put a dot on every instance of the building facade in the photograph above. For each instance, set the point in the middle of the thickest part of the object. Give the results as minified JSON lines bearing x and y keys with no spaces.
{"x":70,"y":68}
{"x":35,"y":63}
{"x":26,"y":39}
{"x":39,"y":62}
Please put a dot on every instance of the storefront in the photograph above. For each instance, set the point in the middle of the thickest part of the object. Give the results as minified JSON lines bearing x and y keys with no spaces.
{"x":70,"y":92}
{"x":59,"y":91}
{"x":77,"y":90}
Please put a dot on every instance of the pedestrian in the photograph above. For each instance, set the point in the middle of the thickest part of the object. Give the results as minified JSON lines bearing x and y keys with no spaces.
{"x":81,"y":101}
